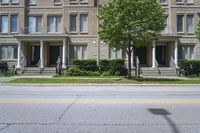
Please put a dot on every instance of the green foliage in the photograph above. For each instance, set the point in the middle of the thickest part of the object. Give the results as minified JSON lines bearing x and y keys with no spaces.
{"x":104,"y":65}
{"x":127,"y":24}
{"x":106,"y":73}
{"x":186,"y":65}
{"x":87,"y":65}
{"x":75,"y":71}
{"x":198,"y":31}
{"x":116,"y":65}
{"x":4,"y":69}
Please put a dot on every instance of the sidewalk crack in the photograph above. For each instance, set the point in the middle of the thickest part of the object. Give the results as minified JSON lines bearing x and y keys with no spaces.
{"x":1,"y":129}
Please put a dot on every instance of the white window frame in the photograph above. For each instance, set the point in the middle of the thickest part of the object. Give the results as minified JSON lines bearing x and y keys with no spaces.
{"x":84,"y":1}
{"x":164,"y":3}
{"x":13,"y":48}
{"x":183,"y":23}
{"x":192,"y":23}
{"x":32,"y":3}
{"x":35,"y":24}
{"x":14,"y":2}
{"x":117,"y":53}
{"x":190,"y":56}
{"x":11,"y":24}
{"x":81,"y":31}
{"x":188,"y":1}
{"x":4,"y":2}
{"x":7,"y":25}
{"x":71,"y":23}
{"x":181,"y":2}
{"x":75,"y":56}
{"x":55,"y":24}
{"x":57,"y":3}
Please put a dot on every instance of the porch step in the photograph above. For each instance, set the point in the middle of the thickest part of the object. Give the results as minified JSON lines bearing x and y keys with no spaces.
{"x":35,"y":71}
{"x":164,"y":71}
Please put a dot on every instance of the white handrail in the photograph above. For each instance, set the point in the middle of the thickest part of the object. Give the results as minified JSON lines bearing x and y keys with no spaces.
{"x":157,"y":66}
{"x":173,"y":64}
{"x":39,"y":66}
{"x":23,"y":64}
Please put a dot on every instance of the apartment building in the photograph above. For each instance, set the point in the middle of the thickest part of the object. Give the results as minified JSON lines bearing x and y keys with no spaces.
{"x":36,"y":32}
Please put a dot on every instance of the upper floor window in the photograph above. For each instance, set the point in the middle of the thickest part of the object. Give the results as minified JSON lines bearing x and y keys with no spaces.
{"x":32,"y":2}
{"x":54,"y":24}
{"x":84,"y":23}
{"x":4,"y":1}
{"x":35,"y":24}
{"x":189,"y":1}
{"x":14,"y":24}
{"x":78,"y":51}
{"x":166,"y":24}
{"x":14,"y":1}
{"x":4,"y":24}
{"x":57,"y":2}
{"x":163,"y":1}
{"x":73,"y":18}
{"x":180,"y":23}
{"x":179,"y":1}
{"x":190,"y":23}
{"x":83,"y":1}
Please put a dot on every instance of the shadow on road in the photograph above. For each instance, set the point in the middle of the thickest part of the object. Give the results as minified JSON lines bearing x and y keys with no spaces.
{"x":165,"y":113}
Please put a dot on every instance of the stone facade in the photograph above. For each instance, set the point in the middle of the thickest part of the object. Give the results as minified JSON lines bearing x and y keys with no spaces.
{"x":27,"y":43}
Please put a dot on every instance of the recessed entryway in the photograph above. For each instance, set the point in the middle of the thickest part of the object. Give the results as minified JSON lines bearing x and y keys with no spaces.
{"x":161,"y":55}
{"x":54,"y":52}
{"x":35,"y":55}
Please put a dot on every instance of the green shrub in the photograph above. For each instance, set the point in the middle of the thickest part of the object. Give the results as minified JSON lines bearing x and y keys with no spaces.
{"x":87,"y":65}
{"x":4,"y":68}
{"x":92,"y":73}
{"x":104,"y":65}
{"x":75,"y":71}
{"x":117,"y":65}
{"x":106,"y":73}
{"x":186,"y":65}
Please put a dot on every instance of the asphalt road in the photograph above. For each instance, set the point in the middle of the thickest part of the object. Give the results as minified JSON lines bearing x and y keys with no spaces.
{"x":99,"y":109}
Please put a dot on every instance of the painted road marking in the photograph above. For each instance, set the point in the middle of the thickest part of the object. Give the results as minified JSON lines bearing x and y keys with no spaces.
{"x":103,"y":102}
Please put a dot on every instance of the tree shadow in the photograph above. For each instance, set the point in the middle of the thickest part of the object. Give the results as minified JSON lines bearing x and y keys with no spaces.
{"x":164,"y":113}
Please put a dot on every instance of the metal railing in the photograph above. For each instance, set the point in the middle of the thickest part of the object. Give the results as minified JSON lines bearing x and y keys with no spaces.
{"x":39,"y":66}
{"x":23,"y":64}
{"x":173,"y":64}
{"x":157,"y":67}
{"x":138,"y":69}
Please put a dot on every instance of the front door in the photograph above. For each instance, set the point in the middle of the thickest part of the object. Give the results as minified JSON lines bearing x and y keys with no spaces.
{"x":35,"y":55}
{"x":161,"y":55}
{"x":142,"y":55}
{"x":55,"y":51}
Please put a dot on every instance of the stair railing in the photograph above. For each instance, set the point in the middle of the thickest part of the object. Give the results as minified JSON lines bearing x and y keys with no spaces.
{"x":23,"y":63}
{"x":138,"y":69}
{"x":39,"y":66}
{"x":173,"y":64}
{"x":157,"y":67}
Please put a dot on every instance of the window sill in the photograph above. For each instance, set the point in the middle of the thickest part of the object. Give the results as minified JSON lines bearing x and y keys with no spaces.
{"x":4,"y":33}
{"x":84,"y":2}
{"x":14,"y":3}
{"x":179,"y":3}
{"x":74,"y":2}
{"x":83,"y":32}
{"x":190,"y":3}
{"x":190,"y":33}
{"x":181,"y":33}
{"x":73,"y":32}
{"x":57,"y":4}
{"x":4,"y":3}
{"x":164,"y":4}
{"x":13,"y":33}
{"x":9,"y":60}
{"x":32,"y":4}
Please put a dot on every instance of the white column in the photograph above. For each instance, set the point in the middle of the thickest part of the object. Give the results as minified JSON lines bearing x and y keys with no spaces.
{"x":41,"y":54}
{"x":19,"y":55}
{"x":154,"y":56}
{"x":176,"y":53}
{"x":64,"y":55}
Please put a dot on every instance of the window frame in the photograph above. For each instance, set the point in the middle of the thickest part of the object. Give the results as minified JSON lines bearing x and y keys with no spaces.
{"x":7,"y":31}
{"x":54,"y":24}
{"x":70,"y":23}
{"x":14,"y":49}
{"x":81,"y":25}
{"x":190,"y":32}
{"x":183,"y":23}
{"x":35,"y":30}
{"x":14,"y":22}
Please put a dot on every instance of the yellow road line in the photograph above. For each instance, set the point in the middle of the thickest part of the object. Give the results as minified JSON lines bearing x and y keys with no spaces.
{"x":103,"y":102}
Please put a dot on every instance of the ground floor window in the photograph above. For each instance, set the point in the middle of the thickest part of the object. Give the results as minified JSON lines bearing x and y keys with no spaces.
{"x":186,"y":52}
{"x":78,"y":51}
{"x":8,"y":52}
{"x":115,"y":54}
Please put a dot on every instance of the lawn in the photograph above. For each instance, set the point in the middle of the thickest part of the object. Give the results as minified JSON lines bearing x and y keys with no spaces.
{"x":103,"y":80}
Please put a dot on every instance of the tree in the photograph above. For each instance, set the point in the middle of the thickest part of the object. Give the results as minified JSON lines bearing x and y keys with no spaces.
{"x":127,"y":24}
{"x":198,"y":31}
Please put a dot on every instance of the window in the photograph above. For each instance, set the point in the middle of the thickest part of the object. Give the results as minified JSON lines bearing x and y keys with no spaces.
{"x":186,"y":52}
{"x":14,"y":23}
{"x":35,"y":24}
{"x":4,"y":24}
{"x":54,"y":24}
{"x":83,"y":1}
{"x":189,"y":1}
{"x":4,"y":1}
{"x":84,"y":23}
{"x":166,"y":23}
{"x":163,"y":1}
{"x":73,"y":22}
{"x":14,"y":1}
{"x":57,"y":2}
{"x":190,"y":23}
{"x":179,"y":23}
{"x":78,"y":51}
{"x":8,"y":52}
{"x":32,"y":2}
{"x":73,"y":1}
{"x":115,"y":54}
{"x":179,"y":1}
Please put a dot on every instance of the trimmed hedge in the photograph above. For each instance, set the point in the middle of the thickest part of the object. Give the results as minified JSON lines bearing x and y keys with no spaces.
{"x":191,"y":67}
{"x":3,"y":67}
{"x":104,"y":65}
{"x":87,"y":65}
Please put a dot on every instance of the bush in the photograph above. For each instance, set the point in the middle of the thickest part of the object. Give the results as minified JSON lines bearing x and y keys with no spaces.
{"x":75,"y":71}
{"x":117,"y":65}
{"x":91,"y":73}
{"x":191,"y":67}
{"x":87,"y":65}
{"x":104,"y":65}
{"x":106,"y":73}
{"x":3,"y":68}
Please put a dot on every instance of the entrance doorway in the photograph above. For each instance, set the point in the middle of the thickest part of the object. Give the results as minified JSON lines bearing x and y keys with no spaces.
{"x":142,"y":55}
{"x":55,"y":51}
{"x":161,"y":55}
{"x":35,"y":55}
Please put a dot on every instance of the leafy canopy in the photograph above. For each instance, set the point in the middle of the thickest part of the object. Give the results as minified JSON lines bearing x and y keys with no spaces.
{"x":132,"y":23}
{"x":198,"y":31}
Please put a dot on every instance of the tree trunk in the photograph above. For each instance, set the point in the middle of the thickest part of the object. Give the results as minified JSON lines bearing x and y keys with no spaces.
{"x":129,"y":62}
